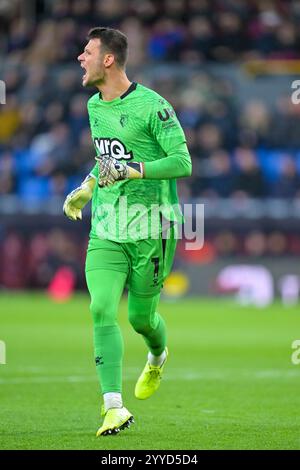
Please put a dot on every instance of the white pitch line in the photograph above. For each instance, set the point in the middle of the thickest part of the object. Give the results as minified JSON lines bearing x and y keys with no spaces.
{"x":48,"y":379}
{"x":169,"y":376}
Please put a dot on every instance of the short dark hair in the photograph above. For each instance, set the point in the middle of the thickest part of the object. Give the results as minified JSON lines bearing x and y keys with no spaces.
{"x":113,"y":41}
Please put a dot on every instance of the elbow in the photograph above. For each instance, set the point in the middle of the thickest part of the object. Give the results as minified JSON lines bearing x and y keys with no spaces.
{"x":188,"y":168}
{"x":186,"y":172}
{"x":185,"y":169}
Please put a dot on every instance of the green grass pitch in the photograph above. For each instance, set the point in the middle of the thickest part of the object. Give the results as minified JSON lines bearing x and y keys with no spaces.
{"x":229,"y":382}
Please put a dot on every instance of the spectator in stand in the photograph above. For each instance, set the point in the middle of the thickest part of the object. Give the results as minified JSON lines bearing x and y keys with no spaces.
{"x":166,"y":40}
{"x":288,"y":184}
{"x":209,"y":139}
{"x":200,"y":38}
{"x":220,"y":175}
{"x":13,"y":257}
{"x":255,"y":119}
{"x":249,"y":179}
{"x":285,"y":124}
{"x":7,"y":173}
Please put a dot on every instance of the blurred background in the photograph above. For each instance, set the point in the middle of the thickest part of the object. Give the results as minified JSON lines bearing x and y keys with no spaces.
{"x":227,"y":66}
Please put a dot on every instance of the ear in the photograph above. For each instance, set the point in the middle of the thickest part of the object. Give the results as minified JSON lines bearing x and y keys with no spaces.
{"x":109,"y":59}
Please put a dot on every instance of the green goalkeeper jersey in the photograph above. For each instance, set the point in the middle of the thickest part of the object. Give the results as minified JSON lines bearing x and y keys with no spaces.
{"x":138,"y":126}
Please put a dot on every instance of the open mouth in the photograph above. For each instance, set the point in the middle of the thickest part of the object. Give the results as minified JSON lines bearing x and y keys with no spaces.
{"x":85,"y":72}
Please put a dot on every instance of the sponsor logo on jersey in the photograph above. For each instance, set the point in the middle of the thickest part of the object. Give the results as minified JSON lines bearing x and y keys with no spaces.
{"x":167,"y":113}
{"x":112,"y":148}
{"x":168,"y":124}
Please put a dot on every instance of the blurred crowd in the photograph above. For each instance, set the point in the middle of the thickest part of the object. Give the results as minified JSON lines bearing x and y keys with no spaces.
{"x":238,"y":150}
{"x":35,"y":261}
{"x":188,"y":31}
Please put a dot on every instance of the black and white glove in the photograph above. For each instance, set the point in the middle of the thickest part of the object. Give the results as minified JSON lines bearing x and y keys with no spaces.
{"x":112,"y":170}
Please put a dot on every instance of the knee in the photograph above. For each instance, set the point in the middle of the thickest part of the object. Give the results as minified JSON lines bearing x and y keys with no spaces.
{"x":101,"y":309}
{"x":141,"y":327}
{"x":139,"y":322}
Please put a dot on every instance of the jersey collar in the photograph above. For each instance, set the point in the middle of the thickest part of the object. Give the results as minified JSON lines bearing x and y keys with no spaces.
{"x":129,"y":90}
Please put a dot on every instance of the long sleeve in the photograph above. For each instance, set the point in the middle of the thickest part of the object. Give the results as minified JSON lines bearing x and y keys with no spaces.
{"x":177,"y":164}
{"x":167,"y":131}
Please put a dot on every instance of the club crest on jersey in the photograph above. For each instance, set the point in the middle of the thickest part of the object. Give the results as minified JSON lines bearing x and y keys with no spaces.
{"x":124,"y":119}
{"x":112,"y":148}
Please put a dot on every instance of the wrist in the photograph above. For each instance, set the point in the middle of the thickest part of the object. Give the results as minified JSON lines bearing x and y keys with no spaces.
{"x":88,"y":186}
{"x":135,"y":170}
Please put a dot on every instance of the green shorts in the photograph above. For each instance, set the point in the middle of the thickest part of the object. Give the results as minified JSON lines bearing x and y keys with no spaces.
{"x":147,"y":263}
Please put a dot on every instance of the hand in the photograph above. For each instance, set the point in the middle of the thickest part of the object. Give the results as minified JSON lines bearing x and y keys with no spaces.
{"x":112,"y":170}
{"x":77,"y":199}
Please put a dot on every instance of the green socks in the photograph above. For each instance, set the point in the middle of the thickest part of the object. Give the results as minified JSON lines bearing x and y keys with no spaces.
{"x":109,"y":348}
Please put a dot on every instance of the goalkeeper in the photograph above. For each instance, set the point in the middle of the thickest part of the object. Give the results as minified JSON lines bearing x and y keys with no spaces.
{"x":141,"y":150}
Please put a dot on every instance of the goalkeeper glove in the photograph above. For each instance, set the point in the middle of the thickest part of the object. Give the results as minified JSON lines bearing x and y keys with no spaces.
{"x":111,"y":170}
{"x":78,"y":198}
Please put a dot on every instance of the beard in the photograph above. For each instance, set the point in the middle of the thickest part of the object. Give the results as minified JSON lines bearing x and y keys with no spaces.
{"x":95,"y":78}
